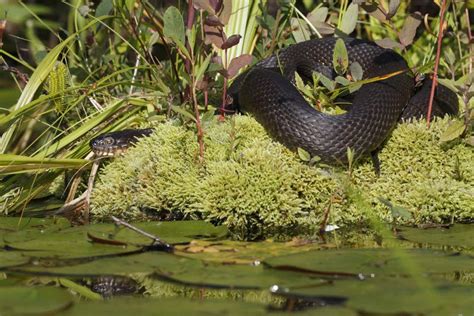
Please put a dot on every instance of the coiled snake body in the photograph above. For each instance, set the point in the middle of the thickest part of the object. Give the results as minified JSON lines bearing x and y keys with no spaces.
{"x":266,"y":91}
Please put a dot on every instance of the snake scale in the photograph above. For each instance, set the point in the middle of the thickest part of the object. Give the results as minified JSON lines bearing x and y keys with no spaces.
{"x":267,"y":92}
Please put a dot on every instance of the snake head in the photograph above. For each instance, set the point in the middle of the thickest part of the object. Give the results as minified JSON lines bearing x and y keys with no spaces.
{"x":115,"y":143}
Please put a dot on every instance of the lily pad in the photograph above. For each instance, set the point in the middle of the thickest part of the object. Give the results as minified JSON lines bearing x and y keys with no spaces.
{"x":11,"y":258}
{"x":75,"y":242}
{"x":459,"y":235}
{"x":63,"y":243}
{"x":393,"y":295}
{"x":33,"y":301}
{"x":181,"y":270}
{"x":171,"y":306}
{"x":374,"y":262}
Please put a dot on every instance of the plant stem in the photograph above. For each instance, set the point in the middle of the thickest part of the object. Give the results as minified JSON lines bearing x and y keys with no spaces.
{"x":189,"y":65}
{"x":189,"y":26}
{"x":469,"y":36}
{"x":436,"y":65}
{"x":200,"y":133}
{"x":224,"y":90}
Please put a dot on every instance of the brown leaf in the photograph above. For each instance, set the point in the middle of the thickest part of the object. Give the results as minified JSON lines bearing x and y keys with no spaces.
{"x":408,"y":32}
{"x":204,"y":5}
{"x":216,"y":60}
{"x":231,"y":41}
{"x":224,"y":73}
{"x":238,"y":63}
{"x":319,"y":14}
{"x":213,"y":36}
{"x":202,"y":84}
{"x":226,"y":11}
{"x":388,"y":43}
{"x":392,"y":8}
{"x":213,"y":20}
{"x":375,"y":10}
{"x":323,"y":28}
{"x":216,"y":5}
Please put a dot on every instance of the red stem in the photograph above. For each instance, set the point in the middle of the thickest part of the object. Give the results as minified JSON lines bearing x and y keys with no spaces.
{"x":435,"y":72}
{"x":189,"y":26}
{"x":224,"y":90}
{"x":191,"y":89}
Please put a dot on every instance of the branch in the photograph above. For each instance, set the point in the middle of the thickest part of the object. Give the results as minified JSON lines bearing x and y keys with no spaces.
{"x":435,"y":72}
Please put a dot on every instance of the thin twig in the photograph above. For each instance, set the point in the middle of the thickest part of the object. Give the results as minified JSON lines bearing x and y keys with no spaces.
{"x":200,"y":132}
{"x":189,"y":26}
{"x":189,"y":65}
{"x":156,"y":240}
{"x":438,"y":54}
{"x":469,"y":36}
{"x":90,"y":185}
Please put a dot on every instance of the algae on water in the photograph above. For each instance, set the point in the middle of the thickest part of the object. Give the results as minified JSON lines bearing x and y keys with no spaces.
{"x":258,"y":188}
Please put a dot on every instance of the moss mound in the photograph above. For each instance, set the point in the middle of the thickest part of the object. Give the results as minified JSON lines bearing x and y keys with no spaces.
{"x":258,"y":188}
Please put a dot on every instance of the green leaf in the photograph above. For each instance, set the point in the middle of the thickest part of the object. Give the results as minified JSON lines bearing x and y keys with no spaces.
{"x":202,"y":68}
{"x":39,"y":75}
{"x":450,"y":84}
{"x":356,"y":71}
{"x":328,"y":83}
{"x":16,"y":163}
{"x":340,"y":58}
{"x":301,"y":86}
{"x":304,"y":155}
{"x":301,"y":30}
{"x":341,"y":80}
{"x":104,"y":8}
{"x":449,"y":55}
{"x":314,"y":160}
{"x":397,"y":211}
{"x":349,"y":20}
{"x":174,"y":26}
{"x":182,"y":111}
{"x":454,"y":130}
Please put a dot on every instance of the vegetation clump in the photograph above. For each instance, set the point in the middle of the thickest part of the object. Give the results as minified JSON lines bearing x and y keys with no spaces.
{"x":258,"y":188}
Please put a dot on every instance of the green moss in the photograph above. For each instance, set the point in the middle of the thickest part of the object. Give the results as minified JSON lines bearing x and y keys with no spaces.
{"x":258,"y":188}
{"x":159,"y":174}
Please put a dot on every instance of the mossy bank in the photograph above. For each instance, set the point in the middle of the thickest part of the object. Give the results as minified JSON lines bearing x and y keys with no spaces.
{"x":258,"y":188}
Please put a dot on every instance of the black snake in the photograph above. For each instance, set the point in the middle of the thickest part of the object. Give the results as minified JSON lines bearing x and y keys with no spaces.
{"x":266,"y":91}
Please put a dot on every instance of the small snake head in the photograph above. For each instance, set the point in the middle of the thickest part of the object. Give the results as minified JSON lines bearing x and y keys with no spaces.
{"x":115,"y":143}
{"x":104,"y":145}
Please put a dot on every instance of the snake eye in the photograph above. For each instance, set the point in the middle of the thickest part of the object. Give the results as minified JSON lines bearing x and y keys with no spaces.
{"x":108,"y":141}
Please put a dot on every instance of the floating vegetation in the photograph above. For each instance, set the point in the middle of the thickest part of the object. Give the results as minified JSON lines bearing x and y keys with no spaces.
{"x":208,"y":273}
